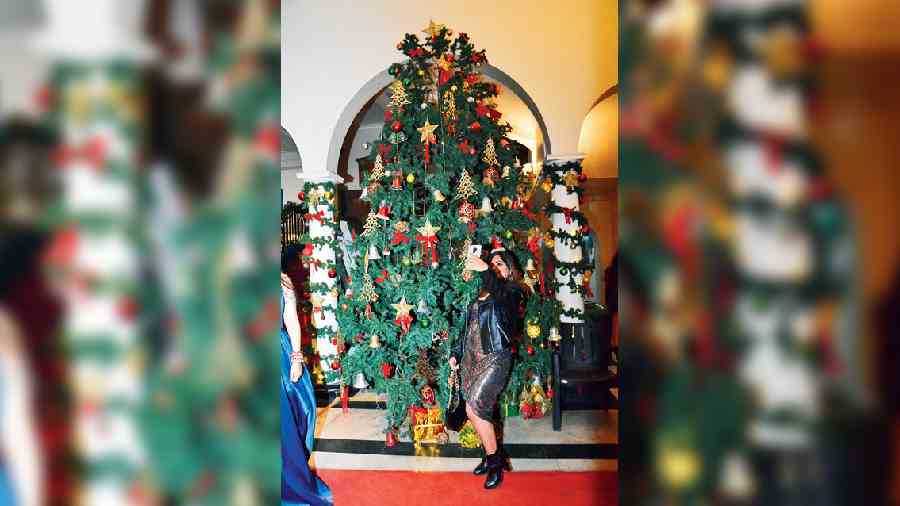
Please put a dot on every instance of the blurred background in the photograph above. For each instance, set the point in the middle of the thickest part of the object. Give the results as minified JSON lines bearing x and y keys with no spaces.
{"x":759,"y":280}
{"x":139,"y":245}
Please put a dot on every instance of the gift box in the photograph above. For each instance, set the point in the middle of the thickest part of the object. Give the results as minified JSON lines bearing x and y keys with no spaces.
{"x":510,"y":408}
{"x":533,"y":402}
{"x":427,"y":424}
{"x":468,"y":438}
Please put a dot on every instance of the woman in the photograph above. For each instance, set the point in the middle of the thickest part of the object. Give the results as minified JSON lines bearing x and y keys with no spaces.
{"x":298,"y":406}
{"x":483,"y":354}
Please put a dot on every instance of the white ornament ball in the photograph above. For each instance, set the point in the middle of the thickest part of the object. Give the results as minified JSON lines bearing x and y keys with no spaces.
{"x":470,"y":99}
{"x":424,"y":106}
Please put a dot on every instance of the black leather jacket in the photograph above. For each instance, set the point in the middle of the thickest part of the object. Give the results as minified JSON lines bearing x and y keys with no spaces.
{"x":498,"y":319}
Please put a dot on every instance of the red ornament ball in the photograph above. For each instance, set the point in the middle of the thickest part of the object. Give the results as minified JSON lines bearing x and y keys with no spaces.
{"x":514,"y":350}
{"x":472,"y":151}
{"x":585,"y":229}
{"x":389,"y":115}
{"x":335,"y":364}
{"x":387,"y":370}
{"x":530,"y":349}
{"x":301,"y":196}
{"x":332,"y":273}
{"x":475,"y":126}
{"x":397,"y":126}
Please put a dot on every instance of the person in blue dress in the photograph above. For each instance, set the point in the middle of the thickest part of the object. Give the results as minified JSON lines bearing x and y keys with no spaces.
{"x":299,"y":485}
{"x":20,"y":465}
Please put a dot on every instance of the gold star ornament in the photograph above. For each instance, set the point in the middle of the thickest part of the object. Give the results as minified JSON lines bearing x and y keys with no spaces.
{"x":427,"y":131}
{"x":428,"y":229}
{"x":402,"y":307}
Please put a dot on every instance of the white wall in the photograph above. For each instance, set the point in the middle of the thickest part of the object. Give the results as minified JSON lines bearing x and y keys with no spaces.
{"x":564,"y":54}
{"x":22,"y":71}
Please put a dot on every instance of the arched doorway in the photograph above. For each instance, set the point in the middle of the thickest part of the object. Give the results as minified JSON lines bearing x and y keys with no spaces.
{"x":360,"y":124}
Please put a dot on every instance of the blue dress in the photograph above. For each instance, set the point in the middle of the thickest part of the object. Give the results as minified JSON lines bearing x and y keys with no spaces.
{"x":299,"y":486}
{"x":6,"y":491}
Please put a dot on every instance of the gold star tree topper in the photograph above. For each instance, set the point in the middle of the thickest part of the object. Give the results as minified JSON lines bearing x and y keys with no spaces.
{"x":434,"y":29}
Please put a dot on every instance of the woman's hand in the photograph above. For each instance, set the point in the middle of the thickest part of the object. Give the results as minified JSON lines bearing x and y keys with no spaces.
{"x":453,"y":364}
{"x":474,"y":263}
{"x":296,"y":367}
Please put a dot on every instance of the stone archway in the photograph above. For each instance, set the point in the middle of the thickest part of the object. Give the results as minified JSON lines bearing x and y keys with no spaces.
{"x":380,"y":81}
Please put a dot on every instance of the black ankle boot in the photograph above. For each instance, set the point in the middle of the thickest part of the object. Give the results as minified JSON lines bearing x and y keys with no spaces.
{"x":481,"y":468}
{"x":495,"y":465}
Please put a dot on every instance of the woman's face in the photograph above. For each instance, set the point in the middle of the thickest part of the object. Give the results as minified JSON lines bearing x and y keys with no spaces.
{"x":500,"y":266}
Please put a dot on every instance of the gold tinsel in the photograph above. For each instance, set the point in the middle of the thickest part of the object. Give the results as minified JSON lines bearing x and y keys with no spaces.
{"x":449,"y":107}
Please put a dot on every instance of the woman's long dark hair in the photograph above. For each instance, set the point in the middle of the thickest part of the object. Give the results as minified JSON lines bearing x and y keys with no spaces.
{"x":491,"y":281}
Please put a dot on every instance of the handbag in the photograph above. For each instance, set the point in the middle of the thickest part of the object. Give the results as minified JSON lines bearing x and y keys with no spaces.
{"x":456,"y":408}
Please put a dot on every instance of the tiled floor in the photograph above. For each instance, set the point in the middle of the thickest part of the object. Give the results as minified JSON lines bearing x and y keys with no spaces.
{"x":355,"y":440}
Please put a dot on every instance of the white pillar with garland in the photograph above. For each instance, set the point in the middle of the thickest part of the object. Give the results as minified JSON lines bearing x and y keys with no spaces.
{"x":96,"y":256}
{"x":320,"y":192}
{"x":564,"y":197}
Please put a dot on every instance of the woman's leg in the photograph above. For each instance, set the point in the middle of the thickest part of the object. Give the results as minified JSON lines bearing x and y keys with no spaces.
{"x":485,"y":430}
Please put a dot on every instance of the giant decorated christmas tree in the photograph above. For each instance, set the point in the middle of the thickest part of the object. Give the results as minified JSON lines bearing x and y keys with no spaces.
{"x":445,"y":177}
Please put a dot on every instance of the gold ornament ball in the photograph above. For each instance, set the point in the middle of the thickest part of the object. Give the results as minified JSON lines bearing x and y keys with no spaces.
{"x":680,"y":468}
{"x":547,"y":185}
{"x":421,"y":72}
{"x":505,"y":201}
{"x":548,"y":241}
{"x":327,"y":195}
{"x":454,"y":88}
{"x":410,"y":178}
{"x":534,"y":330}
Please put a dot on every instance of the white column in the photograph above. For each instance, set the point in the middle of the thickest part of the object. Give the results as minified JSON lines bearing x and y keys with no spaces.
{"x":562,"y":197}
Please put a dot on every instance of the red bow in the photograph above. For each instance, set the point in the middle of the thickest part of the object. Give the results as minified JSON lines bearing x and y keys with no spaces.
{"x":404,"y":321}
{"x":534,"y":244}
{"x":93,"y":151}
{"x":483,"y":110}
{"x":385,"y":149}
{"x":416,"y":52}
{"x":429,"y":245}
{"x":471,"y":78}
{"x":399,"y":237}
{"x":774,"y":152}
{"x":568,"y":212}
{"x":319,"y":216}
{"x":444,"y":76}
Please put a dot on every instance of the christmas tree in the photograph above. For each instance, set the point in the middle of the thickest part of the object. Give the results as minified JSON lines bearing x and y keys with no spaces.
{"x":451,"y":181}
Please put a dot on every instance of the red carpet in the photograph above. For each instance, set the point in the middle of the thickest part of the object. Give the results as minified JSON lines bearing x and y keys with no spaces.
{"x":521,"y":488}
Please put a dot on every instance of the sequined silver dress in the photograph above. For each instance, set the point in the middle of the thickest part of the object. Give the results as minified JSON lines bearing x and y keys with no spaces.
{"x":483,"y":375}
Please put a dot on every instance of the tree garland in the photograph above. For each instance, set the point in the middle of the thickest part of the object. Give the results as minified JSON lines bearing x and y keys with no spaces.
{"x":322,"y":229}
